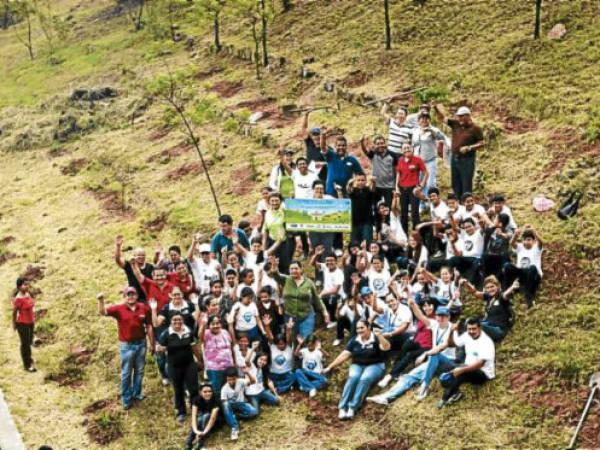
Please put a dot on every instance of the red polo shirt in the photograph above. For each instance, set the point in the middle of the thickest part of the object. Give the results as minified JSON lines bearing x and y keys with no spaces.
{"x":131,"y":322}
{"x":186,"y":283}
{"x":24,"y":307}
{"x":409,"y":171}
{"x":161,"y":295}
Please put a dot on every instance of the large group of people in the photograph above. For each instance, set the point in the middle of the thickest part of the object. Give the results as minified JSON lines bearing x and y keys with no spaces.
{"x":241,"y":307}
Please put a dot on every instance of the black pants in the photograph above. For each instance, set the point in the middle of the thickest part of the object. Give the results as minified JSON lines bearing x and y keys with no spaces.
{"x":201,"y":422}
{"x":343,"y":323}
{"x":462,"y":171}
{"x":185,"y":377}
{"x":331,"y":302}
{"x":396,"y":342}
{"x":285,"y":253}
{"x":25,"y":331}
{"x":529,"y":278}
{"x":468,"y":267}
{"x":433,"y":243}
{"x":408,"y":198}
{"x":408,"y":353}
{"x":385,"y":194}
{"x":492,"y":265}
{"x":475,"y":377}
{"x":435,"y":265}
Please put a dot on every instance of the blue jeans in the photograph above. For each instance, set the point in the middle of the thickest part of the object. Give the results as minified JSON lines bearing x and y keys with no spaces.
{"x":304,"y":328}
{"x":360,"y":379}
{"x":133,"y":361}
{"x":217,"y":380}
{"x":362,"y":232}
{"x":406,"y":381}
{"x":161,"y":363}
{"x":253,"y":334}
{"x":244,"y":410}
{"x":266,"y":396}
{"x":493,"y":331}
{"x":308,"y":380}
{"x":437,"y":364}
{"x":283,"y":381}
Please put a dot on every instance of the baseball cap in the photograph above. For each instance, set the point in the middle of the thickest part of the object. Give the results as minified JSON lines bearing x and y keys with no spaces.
{"x":288,"y":151}
{"x":204,"y":248}
{"x":316,"y":130}
{"x":462,"y":111}
{"x":442,"y":311}
{"x":365,"y":290}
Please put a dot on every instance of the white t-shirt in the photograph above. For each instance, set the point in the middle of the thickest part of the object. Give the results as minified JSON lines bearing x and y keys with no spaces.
{"x":235,"y":394}
{"x":396,"y":228}
{"x":526,"y":257}
{"x":477,"y":349}
{"x":312,"y":361}
{"x":303,"y":184}
{"x":462,"y":213}
{"x":448,"y":291}
{"x":346,"y":311}
{"x":333,"y":279}
{"x":282,"y":361}
{"x":251,"y":263}
{"x":459,"y":244}
{"x":439,"y":335}
{"x":378,"y":281}
{"x":261,"y":206}
{"x":394,"y":319}
{"x":472,"y":244}
{"x":439,"y":212}
{"x":258,"y":387}
{"x":240,"y":360}
{"x":386,"y":264}
{"x":203,"y":273}
{"x":246,"y":317}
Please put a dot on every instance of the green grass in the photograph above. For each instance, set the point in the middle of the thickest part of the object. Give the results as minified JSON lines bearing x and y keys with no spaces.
{"x":482,"y":52}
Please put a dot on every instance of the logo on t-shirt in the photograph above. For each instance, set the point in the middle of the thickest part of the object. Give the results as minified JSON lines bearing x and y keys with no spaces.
{"x":280,"y":360}
{"x":525,"y":261}
{"x":378,"y":284}
{"x":311,"y":365}
{"x":248,"y":317}
{"x":468,"y":246}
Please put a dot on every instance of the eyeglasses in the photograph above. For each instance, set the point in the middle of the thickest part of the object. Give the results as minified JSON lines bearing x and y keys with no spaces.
{"x":131,"y":294}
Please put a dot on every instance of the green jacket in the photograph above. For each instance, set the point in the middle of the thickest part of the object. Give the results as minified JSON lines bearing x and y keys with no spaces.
{"x":299,"y":300}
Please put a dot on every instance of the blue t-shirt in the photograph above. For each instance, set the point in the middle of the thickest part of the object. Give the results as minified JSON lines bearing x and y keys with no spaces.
{"x":219,"y":241}
{"x":340,"y":170}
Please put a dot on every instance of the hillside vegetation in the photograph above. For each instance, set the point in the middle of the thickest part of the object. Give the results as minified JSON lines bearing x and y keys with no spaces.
{"x":79,"y":169}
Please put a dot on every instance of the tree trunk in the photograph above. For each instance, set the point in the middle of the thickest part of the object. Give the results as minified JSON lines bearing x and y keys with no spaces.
{"x":6,"y":15}
{"x":388,"y":34}
{"x":287,"y":5}
{"x":538,"y":12}
{"x":256,"y":54}
{"x":217,"y":40}
{"x":138,"y":22}
{"x":29,"y":43}
{"x":264,"y":33}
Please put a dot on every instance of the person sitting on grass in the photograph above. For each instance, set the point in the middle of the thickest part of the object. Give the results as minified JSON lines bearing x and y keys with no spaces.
{"x":310,"y":377}
{"x":468,"y":259}
{"x":282,"y":357}
{"x":244,"y":314}
{"x":347,"y":314}
{"x":235,"y":402}
{"x":367,"y":351}
{"x":207,"y":417}
{"x":261,"y":388}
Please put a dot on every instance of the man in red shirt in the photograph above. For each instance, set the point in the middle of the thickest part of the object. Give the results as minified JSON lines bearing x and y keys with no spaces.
{"x":410,"y":170}
{"x":134,"y":322}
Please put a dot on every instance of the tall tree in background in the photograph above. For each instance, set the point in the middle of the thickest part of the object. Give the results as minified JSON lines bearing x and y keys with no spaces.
{"x":251,"y":10}
{"x":388,"y":33}
{"x":538,"y":12}
{"x":213,"y":9}
{"x":24,"y":8}
{"x":263,"y":15}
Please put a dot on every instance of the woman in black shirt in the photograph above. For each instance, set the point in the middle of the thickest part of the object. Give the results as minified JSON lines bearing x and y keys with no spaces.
{"x":206,"y":416}
{"x":367,"y":350}
{"x":178,"y":341}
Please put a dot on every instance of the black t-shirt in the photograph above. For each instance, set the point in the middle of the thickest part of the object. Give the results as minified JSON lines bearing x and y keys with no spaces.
{"x":187,"y":311}
{"x":205,"y":407}
{"x":313,"y":153}
{"x":132,"y":280}
{"x":367,"y":354}
{"x":179,"y":348}
{"x":362,"y":206}
{"x":495,"y":244}
{"x":496,"y":310}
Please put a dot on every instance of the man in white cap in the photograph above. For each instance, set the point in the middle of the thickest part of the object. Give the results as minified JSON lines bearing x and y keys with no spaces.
{"x":466,"y":139}
{"x":204,"y":268}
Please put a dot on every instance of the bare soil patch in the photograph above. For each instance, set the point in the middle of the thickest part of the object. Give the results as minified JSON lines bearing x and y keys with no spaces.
{"x":385,"y":443}
{"x":158,"y":134}
{"x":98,"y":405}
{"x":112,"y":203}
{"x":105,"y":428}
{"x":208,"y":73}
{"x":190,"y":168}
{"x":242,"y":182}
{"x":519,"y":125}
{"x":567,"y":144}
{"x":227,"y":88}
{"x":71,"y":377}
{"x":563,"y":402}
{"x":164,"y":156}
{"x":80,"y":355}
{"x":74,"y":166}
{"x":157,"y":224}
{"x":7,"y":240}
{"x":356,"y":78}
{"x":560,"y":267}
{"x":4,"y":257}
{"x":255,"y":104}
{"x":33,"y":273}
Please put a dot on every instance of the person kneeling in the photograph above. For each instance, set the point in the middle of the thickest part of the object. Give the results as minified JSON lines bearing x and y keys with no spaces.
{"x":234,"y":401}
{"x":310,"y":377}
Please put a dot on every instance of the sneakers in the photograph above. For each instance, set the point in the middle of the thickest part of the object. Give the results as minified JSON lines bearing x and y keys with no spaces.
{"x":331,"y":325}
{"x":350,"y":413}
{"x":140,"y":398}
{"x":31,"y":369}
{"x":441,"y":403}
{"x":312,"y":393}
{"x":379,"y":399}
{"x":342,"y":414}
{"x":235,"y":434}
{"x":423,"y":392}
{"x":126,"y":407}
{"x":385,"y":381}
{"x":337,"y":342}
{"x":165,"y":381}
{"x":180,"y":418}
{"x":455,"y":398}
{"x":437,"y":255}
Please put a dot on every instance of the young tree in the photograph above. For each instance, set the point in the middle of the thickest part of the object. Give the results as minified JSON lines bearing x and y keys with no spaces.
{"x":538,"y":12}
{"x":213,"y":9}
{"x":251,"y":10}
{"x":388,"y":35}
{"x":24,"y":8}
{"x":263,"y":15}
{"x":135,"y":10}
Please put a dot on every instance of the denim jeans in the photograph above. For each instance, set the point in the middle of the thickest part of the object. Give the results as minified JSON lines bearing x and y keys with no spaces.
{"x":405,"y":382}
{"x":436,"y":364}
{"x":161,"y":363}
{"x":308,"y":380}
{"x":304,"y":328}
{"x":283,"y":381}
{"x":253,"y":334}
{"x":133,"y":361}
{"x":244,"y":410}
{"x":493,"y":331}
{"x":266,"y":396}
{"x":201,"y":422}
{"x":217,"y":380}
{"x":360,"y":379}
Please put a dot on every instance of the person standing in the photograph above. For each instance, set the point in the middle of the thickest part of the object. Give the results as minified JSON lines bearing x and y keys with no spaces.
{"x":384,"y":163}
{"x":139,"y":257}
{"x":224,"y":238}
{"x":466,"y":139}
{"x":340,"y":165}
{"x":409,"y":170}
{"x":134,"y":323}
{"x":23,"y":319}
{"x":426,"y":141}
{"x":361,"y":194}
{"x":400,"y":129}
{"x":312,"y":141}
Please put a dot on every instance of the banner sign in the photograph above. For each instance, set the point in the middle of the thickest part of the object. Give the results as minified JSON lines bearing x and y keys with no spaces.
{"x":318,"y":215}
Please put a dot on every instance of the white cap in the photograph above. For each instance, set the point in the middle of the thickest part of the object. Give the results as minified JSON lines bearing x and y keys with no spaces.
{"x":204,"y":248}
{"x":462,"y":111}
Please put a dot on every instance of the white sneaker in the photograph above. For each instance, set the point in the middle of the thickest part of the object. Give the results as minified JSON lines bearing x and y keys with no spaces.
{"x":423,"y":392}
{"x":234,"y":434}
{"x":337,"y":342}
{"x":165,"y":381}
{"x":385,"y":381}
{"x":379,"y":399}
{"x":342,"y":414}
{"x":331,"y":325}
{"x":312,"y":393}
{"x":350,"y":413}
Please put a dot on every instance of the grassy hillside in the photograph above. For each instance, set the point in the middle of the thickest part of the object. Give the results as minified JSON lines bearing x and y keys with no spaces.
{"x":76,"y":173}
